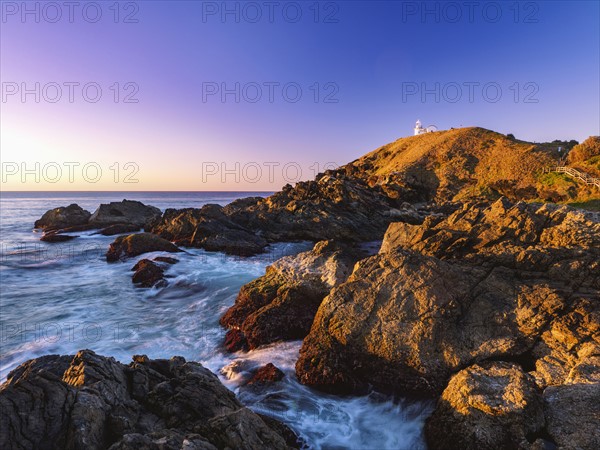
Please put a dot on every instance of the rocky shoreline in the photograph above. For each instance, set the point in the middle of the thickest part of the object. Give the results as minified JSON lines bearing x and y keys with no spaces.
{"x":489,"y":307}
{"x":87,"y":401}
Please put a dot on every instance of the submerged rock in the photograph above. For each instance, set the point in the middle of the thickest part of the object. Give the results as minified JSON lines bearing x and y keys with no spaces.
{"x":281,"y":305}
{"x":55,"y":237}
{"x":62,"y":217}
{"x":126,"y":212}
{"x":89,"y":401}
{"x":137,"y":244}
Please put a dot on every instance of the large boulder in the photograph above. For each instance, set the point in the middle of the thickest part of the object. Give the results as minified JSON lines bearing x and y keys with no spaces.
{"x":502,"y":281}
{"x":129,"y":212}
{"x":137,"y":244}
{"x":489,"y":406}
{"x":92,"y":402}
{"x":281,"y":305}
{"x":63,"y":217}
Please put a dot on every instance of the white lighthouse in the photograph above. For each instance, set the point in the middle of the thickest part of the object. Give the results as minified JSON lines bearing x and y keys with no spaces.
{"x":420,"y":130}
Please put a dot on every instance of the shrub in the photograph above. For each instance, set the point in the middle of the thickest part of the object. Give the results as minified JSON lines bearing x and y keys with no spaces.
{"x":586,"y":150}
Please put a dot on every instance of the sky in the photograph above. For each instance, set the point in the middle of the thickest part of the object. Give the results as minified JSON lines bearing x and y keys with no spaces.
{"x":192,"y":95}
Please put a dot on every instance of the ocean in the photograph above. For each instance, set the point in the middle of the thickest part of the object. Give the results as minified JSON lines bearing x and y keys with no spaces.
{"x":58,"y":298}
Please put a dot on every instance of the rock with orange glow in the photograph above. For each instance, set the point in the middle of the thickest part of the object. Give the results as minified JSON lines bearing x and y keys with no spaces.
{"x":281,"y":305}
{"x":487,"y":406}
{"x":499,"y":281}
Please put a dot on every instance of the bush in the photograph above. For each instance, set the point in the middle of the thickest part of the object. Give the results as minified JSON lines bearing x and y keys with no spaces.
{"x":586,"y":150}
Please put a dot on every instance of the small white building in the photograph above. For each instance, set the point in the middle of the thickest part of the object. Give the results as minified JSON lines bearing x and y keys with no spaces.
{"x":420,"y":130}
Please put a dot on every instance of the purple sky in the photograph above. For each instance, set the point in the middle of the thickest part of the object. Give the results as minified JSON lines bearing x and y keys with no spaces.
{"x":309,"y":85}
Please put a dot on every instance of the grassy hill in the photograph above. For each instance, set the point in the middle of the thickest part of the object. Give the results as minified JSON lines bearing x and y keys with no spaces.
{"x":468,"y":163}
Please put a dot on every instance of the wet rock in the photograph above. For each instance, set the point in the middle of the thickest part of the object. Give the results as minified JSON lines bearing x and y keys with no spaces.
{"x":147,"y":273}
{"x":119,"y":228}
{"x":281,"y":304}
{"x":88,"y":401}
{"x":137,"y":244}
{"x":126,"y":212}
{"x":235,"y":341}
{"x":55,"y":237}
{"x":62,"y":217}
{"x":487,"y":406}
{"x":501,"y":281}
{"x":268,"y":373}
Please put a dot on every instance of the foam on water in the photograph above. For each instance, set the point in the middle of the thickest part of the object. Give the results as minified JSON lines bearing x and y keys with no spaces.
{"x":59,"y":298}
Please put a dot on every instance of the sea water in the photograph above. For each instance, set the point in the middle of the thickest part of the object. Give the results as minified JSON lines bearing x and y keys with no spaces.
{"x":58,"y":298}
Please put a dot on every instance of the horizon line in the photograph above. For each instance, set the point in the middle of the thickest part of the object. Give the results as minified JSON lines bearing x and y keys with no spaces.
{"x":31,"y":191}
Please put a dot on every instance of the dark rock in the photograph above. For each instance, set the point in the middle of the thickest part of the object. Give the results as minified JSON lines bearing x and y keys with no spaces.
{"x":147,"y":273}
{"x":334,"y":206}
{"x":137,"y":244}
{"x":488,"y":406}
{"x":119,"y":228}
{"x":76,"y":228}
{"x":88,"y":401}
{"x":62,"y":217}
{"x":573,"y":415}
{"x":166,"y":259}
{"x":268,"y":373}
{"x":208,"y":228}
{"x":281,"y":305}
{"x":126,"y":212}
{"x":55,"y":237}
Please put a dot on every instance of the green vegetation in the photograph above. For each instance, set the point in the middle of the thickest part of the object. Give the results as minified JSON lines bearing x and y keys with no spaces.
{"x":557,"y":180}
{"x":590,"y":205}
